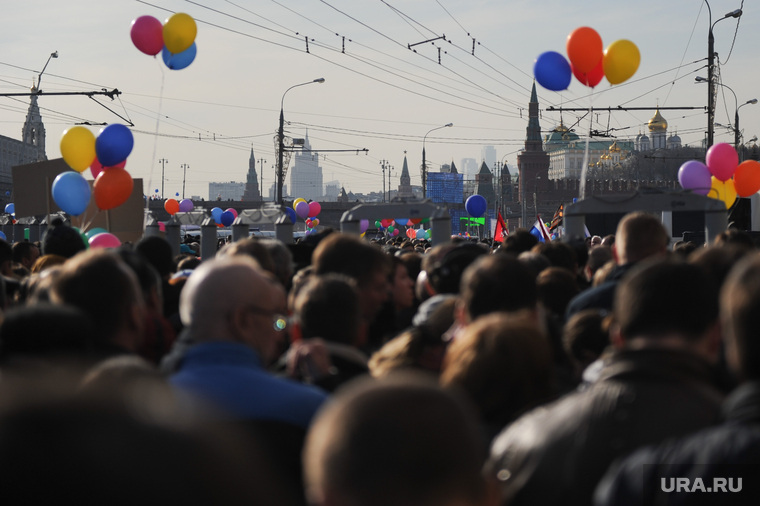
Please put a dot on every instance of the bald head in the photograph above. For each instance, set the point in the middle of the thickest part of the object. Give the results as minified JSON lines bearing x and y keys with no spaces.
{"x":231,"y":299}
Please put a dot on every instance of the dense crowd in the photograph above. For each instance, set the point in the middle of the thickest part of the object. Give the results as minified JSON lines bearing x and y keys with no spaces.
{"x":347,"y":371}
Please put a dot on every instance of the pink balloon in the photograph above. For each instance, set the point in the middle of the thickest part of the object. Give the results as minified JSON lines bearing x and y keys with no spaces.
{"x":96,"y":168}
{"x":722,"y":160}
{"x":314,"y":209}
{"x":104,"y":240}
{"x":232,"y":211}
{"x":396,"y":232}
{"x":162,"y":226}
{"x":302,"y":210}
{"x":147,"y":35}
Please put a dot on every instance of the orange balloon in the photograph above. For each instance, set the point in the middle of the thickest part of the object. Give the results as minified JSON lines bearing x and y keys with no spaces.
{"x":171,"y":206}
{"x":584,"y":49}
{"x":112,"y":188}
{"x":747,"y":178}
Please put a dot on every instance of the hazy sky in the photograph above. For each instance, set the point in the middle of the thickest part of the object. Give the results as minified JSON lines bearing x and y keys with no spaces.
{"x":378,"y":94}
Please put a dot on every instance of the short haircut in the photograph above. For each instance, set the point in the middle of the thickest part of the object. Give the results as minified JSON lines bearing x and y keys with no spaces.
{"x":328,"y":307}
{"x":445,"y":275}
{"x":22,"y":250}
{"x":351,"y":256}
{"x":663,"y":297}
{"x":61,"y":239}
{"x":401,"y":440}
{"x":640,"y":235}
{"x":497,"y":282}
{"x":740,"y":307}
{"x":158,"y":252}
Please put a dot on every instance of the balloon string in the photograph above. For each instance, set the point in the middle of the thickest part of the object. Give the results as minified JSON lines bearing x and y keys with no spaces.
{"x":155,"y":144}
{"x":584,"y":168}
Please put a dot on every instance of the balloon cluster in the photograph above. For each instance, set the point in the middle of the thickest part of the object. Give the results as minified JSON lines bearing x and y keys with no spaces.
{"x":722,"y":177}
{"x":392,"y":228}
{"x":222,"y":218}
{"x":588,"y":61}
{"x":307,"y":211}
{"x":175,"y":39}
{"x":106,"y":157}
{"x":173,"y":206}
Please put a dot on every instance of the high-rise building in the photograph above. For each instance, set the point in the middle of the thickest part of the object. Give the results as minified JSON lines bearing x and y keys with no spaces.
{"x":488,"y":155}
{"x":468,"y":167}
{"x":306,"y":174}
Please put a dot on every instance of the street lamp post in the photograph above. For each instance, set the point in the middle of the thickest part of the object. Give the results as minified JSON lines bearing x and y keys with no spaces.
{"x":261,"y":182}
{"x":184,"y":177}
{"x":737,"y":134}
{"x":163,"y":163}
{"x":424,"y":166}
{"x":281,"y":139}
{"x":710,"y":62}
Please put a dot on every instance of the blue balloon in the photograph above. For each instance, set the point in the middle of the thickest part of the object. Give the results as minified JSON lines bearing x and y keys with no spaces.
{"x":2,"y":236}
{"x":71,"y":192}
{"x":476,"y":205}
{"x":402,"y":221}
{"x":291,"y":214}
{"x":156,"y":190}
{"x":178,"y":61}
{"x":227,"y":218}
{"x":216,"y":213}
{"x":114,"y":144}
{"x":10,"y":208}
{"x":552,"y":71}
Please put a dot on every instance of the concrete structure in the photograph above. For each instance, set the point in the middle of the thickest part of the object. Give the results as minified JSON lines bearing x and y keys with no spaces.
{"x":226,"y":191}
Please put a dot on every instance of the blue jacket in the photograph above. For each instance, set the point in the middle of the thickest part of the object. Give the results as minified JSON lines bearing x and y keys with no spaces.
{"x":230,"y":376}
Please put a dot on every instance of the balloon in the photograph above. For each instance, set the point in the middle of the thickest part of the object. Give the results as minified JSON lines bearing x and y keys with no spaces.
{"x":402,"y":221}
{"x":314,"y":209}
{"x":420,"y":233}
{"x":234,"y":213}
{"x":621,"y":60}
{"x":176,"y":194}
{"x":428,"y":234}
{"x":722,"y":160}
{"x":93,"y":232}
{"x":396,"y":232}
{"x":410,"y":233}
{"x":291,"y":214}
{"x":592,"y":78}
{"x":416,"y":221}
{"x":78,"y":147}
{"x":302,"y":210}
{"x":378,"y":224}
{"x":296,"y":202}
{"x":186,"y":205}
{"x":363,"y":225}
{"x":309,"y":224}
{"x":112,"y":188}
{"x":147,"y":35}
{"x":584,"y":49}
{"x":179,"y":61}
{"x":71,"y":192}
{"x":694,"y":175}
{"x":104,"y":240}
{"x":3,"y":237}
{"x":156,"y":188}
{"x":113,"y":145}
{"x":747,"y":178}
{"x":10,"y":208}
{"x":161,"y":226}
{"x":476,"y":205}
{"x":227,"y":218}
{"x":216,"y":213}
{"x":723,"y":190}
{"x":171,"y":206}
{"x":179,"y":32}
{"x":96,"y":168}
{"x":552,"y":71}
{"x":385,"y":222}
{"x":315,"y":221}
{"x":391,"y":229}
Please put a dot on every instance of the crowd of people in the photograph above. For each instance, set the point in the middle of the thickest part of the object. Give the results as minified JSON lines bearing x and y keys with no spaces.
{"x":347,"y":371}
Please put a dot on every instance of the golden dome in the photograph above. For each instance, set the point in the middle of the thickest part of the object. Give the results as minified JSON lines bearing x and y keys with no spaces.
{"x":657,"y":123}
{"x":614,"y":147}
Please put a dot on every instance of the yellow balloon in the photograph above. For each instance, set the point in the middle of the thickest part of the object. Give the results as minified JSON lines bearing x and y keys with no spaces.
{"x":78,"y":147}
{"x":620,"y":61}
{"x":179,"y":32}
{"x":298,"y":201}
{"x":723,"y":190}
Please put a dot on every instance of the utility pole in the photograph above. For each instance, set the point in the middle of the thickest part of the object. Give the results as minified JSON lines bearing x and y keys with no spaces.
{"x":184,"y":177}
{"x":382,"y":164}
{"x":162,"y":161}
{"x":390,"y":168}
{"x":261,"y":176}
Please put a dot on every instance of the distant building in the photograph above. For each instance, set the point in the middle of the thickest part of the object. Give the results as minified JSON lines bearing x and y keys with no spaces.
{"x":226,"y":191}
{"x":488,"y":155}
{"x":405,"y":184}
{"x":332,"y":191}
{"x":306,"y":174}
{"x":30,"y":149}
{"x":252,"y":191}
{"x":468,"y":167}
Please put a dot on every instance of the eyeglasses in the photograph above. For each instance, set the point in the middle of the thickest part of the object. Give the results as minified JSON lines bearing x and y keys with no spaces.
{"x":279,"y":321}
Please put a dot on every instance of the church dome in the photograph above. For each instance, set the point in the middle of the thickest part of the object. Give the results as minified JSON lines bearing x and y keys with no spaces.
{"x":561,"y":134}
{"x":614,"y":147}
{"x":657,"y":123}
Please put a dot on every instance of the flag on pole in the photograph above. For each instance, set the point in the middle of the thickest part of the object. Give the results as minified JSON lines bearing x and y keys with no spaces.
{"x":501,"y":228}
{"x":557,"y":219}
{"x":540,"y":231}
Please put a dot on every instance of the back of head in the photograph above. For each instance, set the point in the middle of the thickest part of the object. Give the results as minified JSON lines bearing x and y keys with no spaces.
{"x":349,"y":255}
{"x":446,"y":274}
{"x":61,"y":239}
{"x":497,"y":282}
{"x":100,"y":284}
{"x":282,"y":258}
{"x":158,"y":252}
{"x":519,"y":241}
{"x":640,"y":235}
{"x":665,"y":298}
{"x":401,"y":441}
{"x":555,"y":287}
{"x":739,"y":308}
{"x":253,"y":248}
{"x":328,"y":307}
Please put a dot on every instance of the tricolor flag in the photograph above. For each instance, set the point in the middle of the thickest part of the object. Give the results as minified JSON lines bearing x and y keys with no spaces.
{"x":540,"y":231}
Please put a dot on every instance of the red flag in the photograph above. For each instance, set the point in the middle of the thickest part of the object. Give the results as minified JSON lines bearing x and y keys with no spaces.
{"x":501,"y":228}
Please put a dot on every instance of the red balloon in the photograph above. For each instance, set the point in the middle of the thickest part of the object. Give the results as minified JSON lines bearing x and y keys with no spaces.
{"x":314,"y":209}
{"x":147,"y":35}
{"x":584,"y":49}
{"x":112,"y":188}
{"x":592,"y":78}
{"x":96,"y":167}
{"x":171,"y":206}
{"x":747,"y":178}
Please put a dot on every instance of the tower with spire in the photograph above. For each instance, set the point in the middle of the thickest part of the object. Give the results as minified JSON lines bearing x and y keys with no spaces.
{"x":405,"y":183}
{"x":533,"y":162}
{"x":484,"y":184}
{"x":252,"y":191}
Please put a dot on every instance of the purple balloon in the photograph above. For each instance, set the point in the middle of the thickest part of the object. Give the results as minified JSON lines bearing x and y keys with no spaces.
{"x":363,"y":225}
{"x":695,"y":176}
{"x":186,"y":205}
{"x":302,"y":210}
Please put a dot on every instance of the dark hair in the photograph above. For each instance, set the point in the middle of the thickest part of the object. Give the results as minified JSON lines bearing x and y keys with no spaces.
{"x":446,"y":275}
{"x":497,"y":282}
{"x":740,"y":307}
{"x":158,"y":252}
{"x":328,"y":307}
{"x":60,"y":239}
{"x":348,"y":255}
